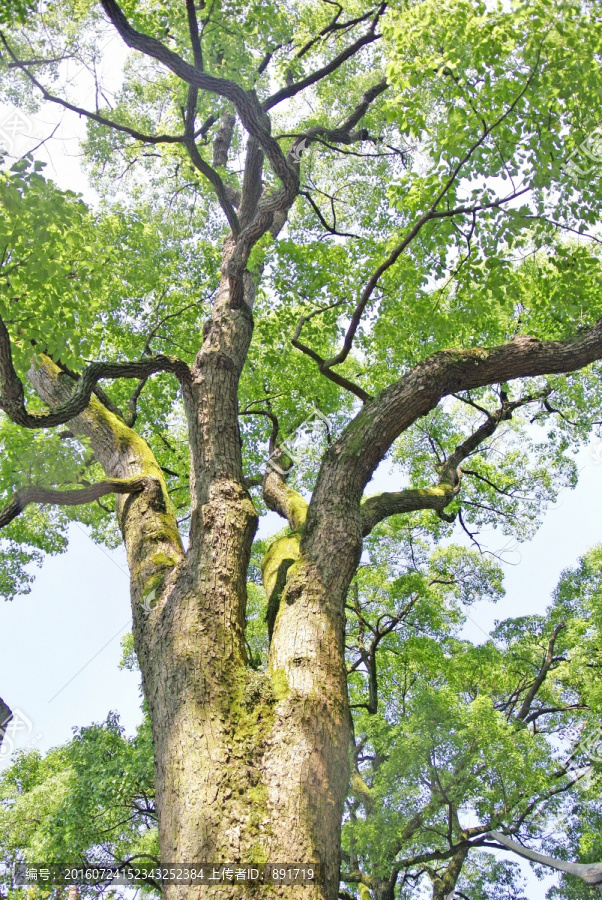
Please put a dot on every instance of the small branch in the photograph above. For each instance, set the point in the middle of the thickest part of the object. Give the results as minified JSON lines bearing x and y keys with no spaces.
{"x":330,"y":229}
{"x":88,"y":114}
{"x":331,"y":28}
{"x":268,"y":415}
{"x":344,"y":134}
{"x":541,"y":677}
{"x":332,"y":376}
{"x":155,"y":329}
{"x":377,"y":508}
{"x":429,"y":215}
{"x":293,"y":89}
{"x":132,"y":412}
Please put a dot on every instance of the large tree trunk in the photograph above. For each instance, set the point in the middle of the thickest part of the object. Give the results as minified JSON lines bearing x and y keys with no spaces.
{"x":249,"y":768}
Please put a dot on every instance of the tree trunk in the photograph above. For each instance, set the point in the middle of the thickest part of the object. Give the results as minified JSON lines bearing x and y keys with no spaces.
{"x":444,"y":885}
{"x":249,"y":768}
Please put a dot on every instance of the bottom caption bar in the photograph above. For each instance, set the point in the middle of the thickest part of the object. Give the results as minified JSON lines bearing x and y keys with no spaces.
{"x":201,"y":873}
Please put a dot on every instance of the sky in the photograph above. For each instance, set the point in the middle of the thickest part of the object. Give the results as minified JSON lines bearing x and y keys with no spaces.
{"x":60,"y":645}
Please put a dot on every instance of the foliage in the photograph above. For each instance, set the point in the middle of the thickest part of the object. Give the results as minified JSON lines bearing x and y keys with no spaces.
{"x":88,"y":802}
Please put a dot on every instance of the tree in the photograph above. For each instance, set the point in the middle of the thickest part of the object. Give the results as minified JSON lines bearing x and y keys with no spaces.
{"x":377,"y":175}
{"x":90,"y":801}
{"x":464,"y":742}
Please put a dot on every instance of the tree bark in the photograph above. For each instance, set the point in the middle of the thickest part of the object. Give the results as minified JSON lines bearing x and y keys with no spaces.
{"x":444,"y":885}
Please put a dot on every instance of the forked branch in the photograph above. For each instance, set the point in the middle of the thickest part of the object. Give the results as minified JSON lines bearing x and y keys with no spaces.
{"x":381,"y":506}
{"x":355,"y":455}
{"x":12,"y":395}
{"x":291,"y":90}
{"x":431,"y":214}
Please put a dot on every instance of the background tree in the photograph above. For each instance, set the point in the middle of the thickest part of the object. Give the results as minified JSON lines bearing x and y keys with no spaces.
{"x":464,"y":740}
{"x":357,"y":208}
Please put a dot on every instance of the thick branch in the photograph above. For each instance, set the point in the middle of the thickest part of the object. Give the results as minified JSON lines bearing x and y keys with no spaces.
{"x":37,"y":494}
{"x":12,"y":398}
{"x":283,"y":499}
{"x":222,"y":192}
{"x":223,"y":139}
{"x":147,"y":517}
{"x":590,"y":873}
{"x":381,"y":506}
{"x":366,"y":440}
{"x":195,"y":38}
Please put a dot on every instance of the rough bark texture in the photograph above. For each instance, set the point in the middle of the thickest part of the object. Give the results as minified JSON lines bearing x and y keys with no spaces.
{"x":249,"y":768}
{"x":444,"y":885}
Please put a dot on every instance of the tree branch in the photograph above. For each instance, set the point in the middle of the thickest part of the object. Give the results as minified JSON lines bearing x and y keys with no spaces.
{"x":88,"y":114}
{"x":344,"y":134}
{"x":381,"y":506}
{"x":37,"y":494}
{"x":352,"y":459}
{"x":590,"y":873}
{"x":431,"y":214}
{"x":222,"y":193}
{"x":332,"y":376}
{"x":541,"y":676}
{"x":332,"y":27}
{"x":282,"y":499}
{"x":195,"y":38}
{"x":247,"y":105}
{"x":147,"y":518}
{"x":337,"y":62}
{"x":12,"y":397}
